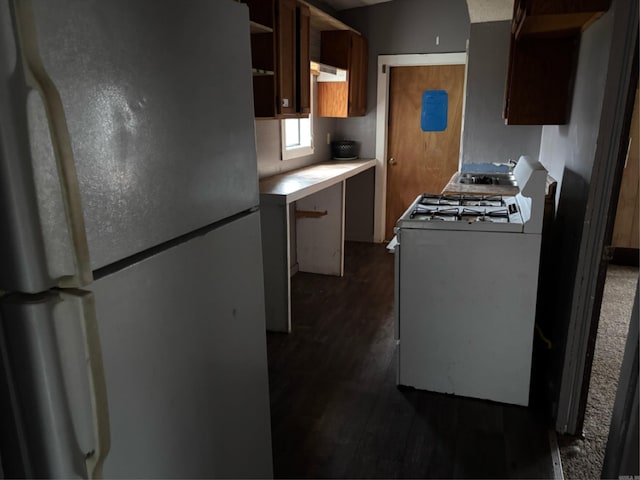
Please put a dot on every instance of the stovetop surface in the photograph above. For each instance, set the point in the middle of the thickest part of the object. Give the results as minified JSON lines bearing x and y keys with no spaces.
{"x":462,"y":200}
{"x":463,"y":212}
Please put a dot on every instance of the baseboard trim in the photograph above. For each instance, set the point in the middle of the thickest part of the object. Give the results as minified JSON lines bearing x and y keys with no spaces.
{"x":626,"y":256}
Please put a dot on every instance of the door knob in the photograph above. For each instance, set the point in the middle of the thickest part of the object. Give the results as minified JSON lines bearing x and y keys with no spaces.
{"x":392,"y":161}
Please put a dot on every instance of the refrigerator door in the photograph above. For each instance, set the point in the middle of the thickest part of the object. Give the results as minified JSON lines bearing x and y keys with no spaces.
{"x":54,"y":411}
{"x":184,"y":351}
{"x":155,"y":98}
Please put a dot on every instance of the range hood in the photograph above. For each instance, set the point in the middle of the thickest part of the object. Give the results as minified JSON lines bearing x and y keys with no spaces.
{"x":327,"y":73}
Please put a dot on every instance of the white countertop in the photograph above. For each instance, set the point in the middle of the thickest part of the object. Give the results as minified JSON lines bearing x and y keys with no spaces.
{"x":296,"y":184}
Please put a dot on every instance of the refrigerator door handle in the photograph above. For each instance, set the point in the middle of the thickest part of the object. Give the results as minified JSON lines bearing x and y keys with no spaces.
{"x":38,"y":80}
{"x":81,"y":357}
{"x":100,"y":407}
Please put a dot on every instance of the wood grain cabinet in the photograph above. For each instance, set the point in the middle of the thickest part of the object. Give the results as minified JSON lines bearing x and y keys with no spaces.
{"x":626,"y":232}
{"x":540,"y":79}
{"x":346,"y":50}
{"x":555,"y":17}
{"x":280,"y":32}
{"x":545,"y":39}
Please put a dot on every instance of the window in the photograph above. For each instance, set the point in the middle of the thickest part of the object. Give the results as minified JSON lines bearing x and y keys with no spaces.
{"x":297,"y":135}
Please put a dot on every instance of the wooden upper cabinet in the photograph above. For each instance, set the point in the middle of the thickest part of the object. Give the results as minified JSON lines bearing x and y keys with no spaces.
{"x":346,"y":50}
{"x":540,"y":81}
{"x":357,"y":77}
{"x":545,"y":40}
{"x":280,"y":56}
{"x":286,"y":56}
{"x":304,"y":60}
{"x":555,"y":17}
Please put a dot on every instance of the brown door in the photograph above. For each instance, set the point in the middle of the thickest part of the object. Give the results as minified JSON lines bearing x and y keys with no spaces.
{"x":420,"y":162}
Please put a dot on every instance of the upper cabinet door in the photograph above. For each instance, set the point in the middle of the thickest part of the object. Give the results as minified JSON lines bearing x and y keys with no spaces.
{"x":280,"y":57}
{"x":286,"y":54}
{"x":304,"y":59}
{"x":358,"y":76}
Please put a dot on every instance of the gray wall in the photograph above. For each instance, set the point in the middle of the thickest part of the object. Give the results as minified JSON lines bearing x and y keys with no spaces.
{"x":398,"y":27}
{"x":568,"y":153}
{"x":486,"y":138}
{"x":401,"y":27}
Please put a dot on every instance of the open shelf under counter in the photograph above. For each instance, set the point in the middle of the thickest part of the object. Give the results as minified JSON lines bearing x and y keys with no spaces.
{"x":319,"y":195}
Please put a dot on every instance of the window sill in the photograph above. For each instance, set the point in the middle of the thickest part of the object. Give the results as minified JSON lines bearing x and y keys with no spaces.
{"x":297,"y":153}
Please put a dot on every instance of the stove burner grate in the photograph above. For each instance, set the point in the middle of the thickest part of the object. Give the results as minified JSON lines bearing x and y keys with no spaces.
{"x":462,"y":199}
{"x":435,"y":199}
{"x":483,"y":215}
{"x":435,"y":213}
{"x":482,"y":200}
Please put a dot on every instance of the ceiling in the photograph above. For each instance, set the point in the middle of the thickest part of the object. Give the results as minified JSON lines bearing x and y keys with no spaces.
{"x":489,"y":10}
{"x":344,"y":4}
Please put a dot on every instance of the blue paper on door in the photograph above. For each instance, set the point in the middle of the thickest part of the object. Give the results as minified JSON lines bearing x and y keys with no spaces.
{"x":434,"y":111}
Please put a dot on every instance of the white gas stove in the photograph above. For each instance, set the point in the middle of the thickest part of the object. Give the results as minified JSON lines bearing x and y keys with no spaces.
{"x":484,"y":212}
{"x":477,"y":344}
{"x":464,"y":212}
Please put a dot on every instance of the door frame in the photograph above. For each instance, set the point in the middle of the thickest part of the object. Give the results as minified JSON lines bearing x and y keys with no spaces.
{"x":385,"y":63}
{"x":599,"y":216}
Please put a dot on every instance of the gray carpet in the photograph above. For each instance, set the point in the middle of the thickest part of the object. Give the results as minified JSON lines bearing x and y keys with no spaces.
{"x":582,"y":459}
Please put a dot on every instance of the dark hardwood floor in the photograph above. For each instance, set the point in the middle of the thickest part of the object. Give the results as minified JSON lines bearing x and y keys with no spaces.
{"x":336,"y":411}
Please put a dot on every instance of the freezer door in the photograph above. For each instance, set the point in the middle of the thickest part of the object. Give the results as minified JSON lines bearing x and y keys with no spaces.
{"x":36,"y":246}
{"x":155,"y":99}
{"x":184,"y":350}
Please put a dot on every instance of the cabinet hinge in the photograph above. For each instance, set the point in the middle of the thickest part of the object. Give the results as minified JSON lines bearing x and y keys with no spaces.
{"x":384,"y":69}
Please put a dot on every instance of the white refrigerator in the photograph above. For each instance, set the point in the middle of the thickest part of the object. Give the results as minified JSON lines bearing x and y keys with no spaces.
{"x":132,"y":329}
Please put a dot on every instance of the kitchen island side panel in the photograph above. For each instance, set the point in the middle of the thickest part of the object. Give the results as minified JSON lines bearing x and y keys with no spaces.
{"x":466,"y":325}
